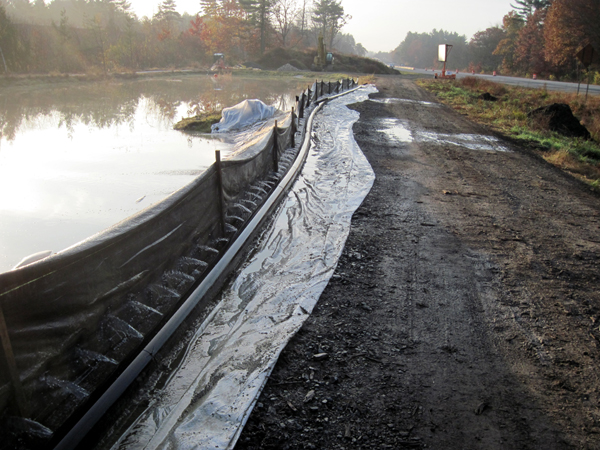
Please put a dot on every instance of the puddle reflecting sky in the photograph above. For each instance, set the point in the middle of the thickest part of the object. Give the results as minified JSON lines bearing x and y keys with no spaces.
{"x":79,"y":158}
{"x":402,"y":100}
{"x":396,"y":129}
{"x":400,"y":131}
{"x":469,"y":141}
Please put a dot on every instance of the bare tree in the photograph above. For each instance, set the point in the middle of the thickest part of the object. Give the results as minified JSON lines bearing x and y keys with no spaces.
{"x":302,"y":19}
{"x":285,"y":12}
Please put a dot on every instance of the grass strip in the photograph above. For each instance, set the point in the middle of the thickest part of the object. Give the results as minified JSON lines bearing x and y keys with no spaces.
{"x":508,"y":115}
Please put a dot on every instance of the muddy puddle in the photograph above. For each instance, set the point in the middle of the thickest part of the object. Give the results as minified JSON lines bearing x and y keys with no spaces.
{"x":400,"y":131}
{"x":403,"y":100}
{"x":396,"y":130}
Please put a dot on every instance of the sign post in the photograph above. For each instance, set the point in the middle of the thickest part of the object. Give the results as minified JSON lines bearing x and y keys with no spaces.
{"x":443,"y":52}
{"x":587,"y":56}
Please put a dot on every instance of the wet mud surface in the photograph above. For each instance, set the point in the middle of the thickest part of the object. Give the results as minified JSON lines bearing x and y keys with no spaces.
{"x":464,"y":312}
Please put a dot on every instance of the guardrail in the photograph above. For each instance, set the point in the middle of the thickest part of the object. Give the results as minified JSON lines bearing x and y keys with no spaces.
{"x":72,"y":325}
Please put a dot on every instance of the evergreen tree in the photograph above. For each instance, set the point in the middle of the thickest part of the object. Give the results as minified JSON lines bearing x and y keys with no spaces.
{"x":167,"y":14}
{"x":328,"y":18}
{"x":526,"y":8}
{"x":482,"y":46}
{"x":63,"y":28}
{"x":260,"y":13}
{"x":209,"y":7}
{"x":122,"y":6}
{"x":8,"y":41}
{"x":167,"y":10}
{"x":512,"y":24}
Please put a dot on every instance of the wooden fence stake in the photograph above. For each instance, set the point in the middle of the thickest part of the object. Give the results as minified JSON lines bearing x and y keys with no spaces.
{"x":12,"y":367}
{"x":275,"y":149}
{"x":293,"y":132}
{"x":220,"y":187}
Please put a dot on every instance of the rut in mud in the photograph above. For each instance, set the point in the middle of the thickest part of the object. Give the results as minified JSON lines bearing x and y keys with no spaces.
{"x":464,"y":310}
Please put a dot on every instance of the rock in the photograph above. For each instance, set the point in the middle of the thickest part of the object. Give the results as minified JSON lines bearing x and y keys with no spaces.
{"x":320,"y":356}
{"x":481,"y":408}
{"x":366,"y":307}
{"x":347,"y":431}
{"x":560,"y":118}
{"x":488,"y":97}
{"x":292,"y":407}
{"x":309,"y":396}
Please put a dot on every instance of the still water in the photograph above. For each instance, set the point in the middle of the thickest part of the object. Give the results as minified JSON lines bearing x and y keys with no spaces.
{"x":81,"y":157}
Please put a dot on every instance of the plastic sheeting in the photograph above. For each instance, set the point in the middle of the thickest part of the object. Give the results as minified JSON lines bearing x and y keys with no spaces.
{"x":242,"y":115}
{"x":209,"y":396}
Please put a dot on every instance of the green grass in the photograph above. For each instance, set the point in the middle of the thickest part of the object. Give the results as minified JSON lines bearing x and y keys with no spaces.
{"x":201,"y":123}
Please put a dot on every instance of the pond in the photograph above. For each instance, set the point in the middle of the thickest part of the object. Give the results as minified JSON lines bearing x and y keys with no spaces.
{"x":80,"y":157}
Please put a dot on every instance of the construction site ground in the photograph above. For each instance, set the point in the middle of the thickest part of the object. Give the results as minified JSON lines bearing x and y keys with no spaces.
{"x":465,"y":310}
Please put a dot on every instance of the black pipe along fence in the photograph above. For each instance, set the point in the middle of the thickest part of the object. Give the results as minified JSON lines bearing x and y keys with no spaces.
{"x":71,"y":323}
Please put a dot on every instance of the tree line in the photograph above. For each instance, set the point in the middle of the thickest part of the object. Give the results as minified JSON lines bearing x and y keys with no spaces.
{"x":88,"y":36}
{"x":536,"y":37}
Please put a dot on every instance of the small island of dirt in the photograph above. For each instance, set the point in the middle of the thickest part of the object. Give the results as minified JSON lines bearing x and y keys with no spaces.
{"x":201,"y":123}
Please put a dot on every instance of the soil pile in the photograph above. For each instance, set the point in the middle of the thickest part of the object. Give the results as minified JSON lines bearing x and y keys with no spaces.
{"x":560,"y":118}
{"x":303,"y":60}
{"x":488,"y":97}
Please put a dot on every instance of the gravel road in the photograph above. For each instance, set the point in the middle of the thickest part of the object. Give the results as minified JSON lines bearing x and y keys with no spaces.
{"x":465,"y":310}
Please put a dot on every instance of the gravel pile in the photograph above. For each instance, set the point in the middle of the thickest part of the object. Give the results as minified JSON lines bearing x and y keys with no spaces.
{"x":288,"y":68}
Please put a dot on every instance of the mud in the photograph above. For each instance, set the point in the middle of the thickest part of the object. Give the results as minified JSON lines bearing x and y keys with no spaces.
{"x":464,"y":310}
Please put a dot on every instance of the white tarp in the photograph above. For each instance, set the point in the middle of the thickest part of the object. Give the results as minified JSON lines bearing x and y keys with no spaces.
{"x":209,"y":397}
{"x":242,"y":115}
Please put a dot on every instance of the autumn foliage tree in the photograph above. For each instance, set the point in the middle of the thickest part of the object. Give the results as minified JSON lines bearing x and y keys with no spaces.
{"x":570,"y":25}
{"x":511,"y":25}
{"x":76,"y":36}
{"x":529,"y":49}
{"x":481,"y":48}
{"x":227,"y":31}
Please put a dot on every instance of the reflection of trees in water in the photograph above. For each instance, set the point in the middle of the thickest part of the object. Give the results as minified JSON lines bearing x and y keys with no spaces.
{"x":104,"y":105}
{"x":7,"y":129}
{"x":227,"y":94}
{"x":166,"y":109}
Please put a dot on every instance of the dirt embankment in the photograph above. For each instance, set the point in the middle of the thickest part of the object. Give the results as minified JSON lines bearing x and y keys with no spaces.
{"x":303,"y":60}
{"x":464,"y":311}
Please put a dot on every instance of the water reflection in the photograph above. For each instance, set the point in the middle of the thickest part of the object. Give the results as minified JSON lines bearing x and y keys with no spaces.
{"x":78,"y":158}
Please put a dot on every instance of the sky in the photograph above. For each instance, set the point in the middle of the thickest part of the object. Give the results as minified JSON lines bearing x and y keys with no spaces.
{"x":381,"y":25}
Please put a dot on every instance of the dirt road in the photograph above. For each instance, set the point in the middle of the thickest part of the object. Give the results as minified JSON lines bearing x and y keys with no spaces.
{"x":464,"y":312}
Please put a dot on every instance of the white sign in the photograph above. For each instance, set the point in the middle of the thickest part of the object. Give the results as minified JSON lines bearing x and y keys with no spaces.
{"x":442,"y":52}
